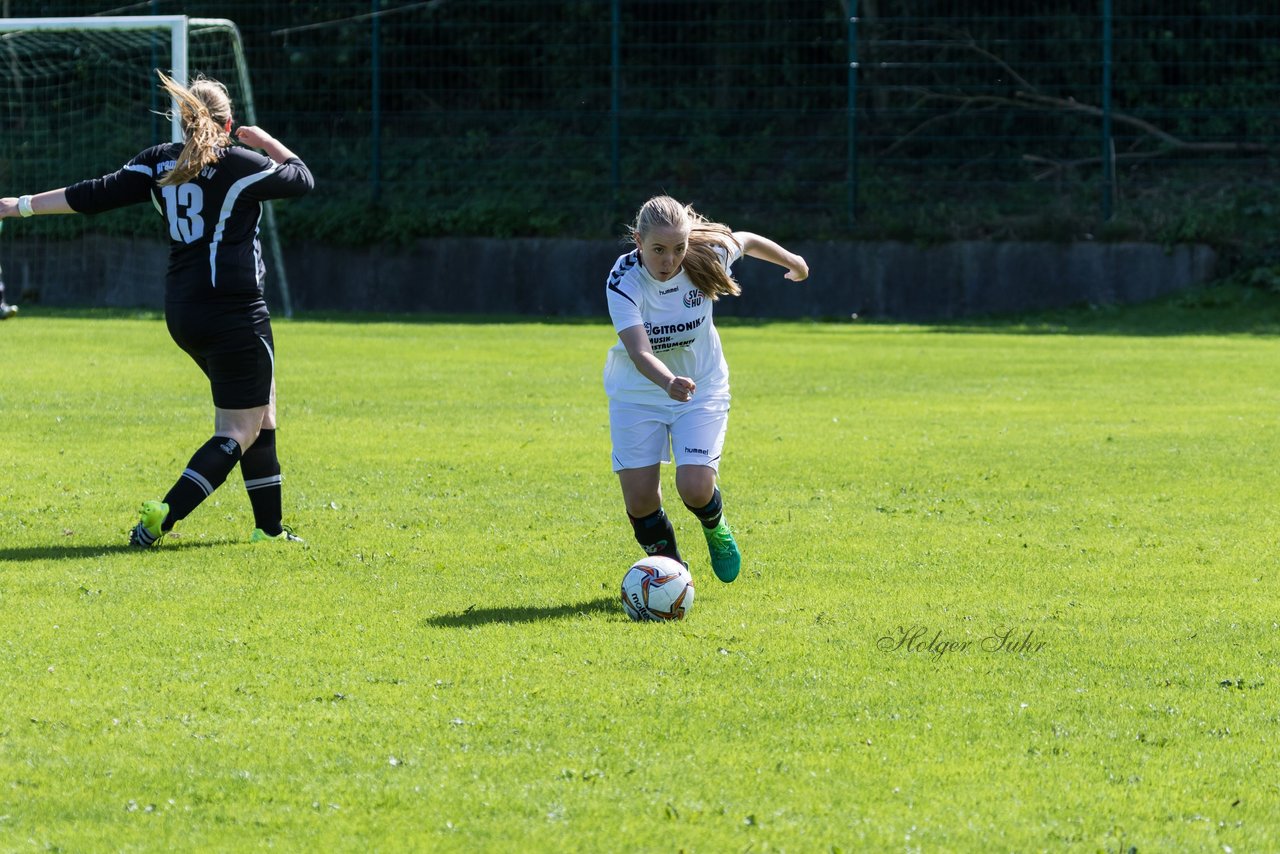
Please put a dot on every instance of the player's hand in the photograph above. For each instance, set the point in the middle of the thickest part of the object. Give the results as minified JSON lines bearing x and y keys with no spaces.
{"x":8,"y":207}
{"x":797,"y":270}
{"x":254,"y":136}
{"x":681,"y":389}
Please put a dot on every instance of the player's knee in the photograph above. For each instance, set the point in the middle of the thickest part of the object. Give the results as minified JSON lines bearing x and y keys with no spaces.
{"x":244,"y":437}
{"x":243,"y":426}
{"x":642,"y":502}
{"x":643,"y":509}
{"x":696,"y":484}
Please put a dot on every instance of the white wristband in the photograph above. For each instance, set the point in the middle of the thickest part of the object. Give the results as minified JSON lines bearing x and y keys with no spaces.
{"x":24,"y":206}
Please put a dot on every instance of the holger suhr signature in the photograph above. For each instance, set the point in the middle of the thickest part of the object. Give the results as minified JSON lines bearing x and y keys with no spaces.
{"x":919,"y":639}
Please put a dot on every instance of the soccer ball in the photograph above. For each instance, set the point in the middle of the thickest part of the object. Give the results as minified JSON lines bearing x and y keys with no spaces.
{"x":657,"y":588}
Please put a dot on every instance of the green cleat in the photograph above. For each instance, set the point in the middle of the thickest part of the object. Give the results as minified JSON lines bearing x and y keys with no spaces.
{"x":148,"y":531}
{"x":726,"y":560}
{"x":285,"y":536}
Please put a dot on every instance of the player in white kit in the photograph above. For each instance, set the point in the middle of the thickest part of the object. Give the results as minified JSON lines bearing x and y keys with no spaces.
{"x":666,"y":378}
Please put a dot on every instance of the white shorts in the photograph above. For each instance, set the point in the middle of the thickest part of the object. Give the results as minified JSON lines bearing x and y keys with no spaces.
{"x":645,"y":434}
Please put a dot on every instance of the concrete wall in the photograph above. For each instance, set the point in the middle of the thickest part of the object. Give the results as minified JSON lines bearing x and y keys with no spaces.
{"x":566,"y":277}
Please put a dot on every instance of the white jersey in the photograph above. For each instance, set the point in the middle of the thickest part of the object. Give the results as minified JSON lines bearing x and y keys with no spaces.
{"x":677,"y":318}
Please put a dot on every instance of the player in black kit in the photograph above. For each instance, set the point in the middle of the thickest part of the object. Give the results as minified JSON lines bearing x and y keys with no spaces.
{"x":209,"y":192}
{"x":6,"y":311}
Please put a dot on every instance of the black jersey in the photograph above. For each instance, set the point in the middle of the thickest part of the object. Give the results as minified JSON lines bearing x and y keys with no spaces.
{"x":214,"y":252}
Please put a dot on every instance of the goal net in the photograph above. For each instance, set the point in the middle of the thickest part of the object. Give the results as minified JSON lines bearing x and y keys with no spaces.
{"x":78,"y":98}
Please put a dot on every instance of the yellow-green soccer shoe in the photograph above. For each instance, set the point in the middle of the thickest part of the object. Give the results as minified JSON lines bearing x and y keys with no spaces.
{"x":285,"y":536}
{"x":148,"y":531}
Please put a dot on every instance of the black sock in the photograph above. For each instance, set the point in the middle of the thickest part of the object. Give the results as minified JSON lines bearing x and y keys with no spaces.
{"x":655,"y":534}
{"x":260,"y":468}
{"x":710,"y":515}
{"x":207,"y":470}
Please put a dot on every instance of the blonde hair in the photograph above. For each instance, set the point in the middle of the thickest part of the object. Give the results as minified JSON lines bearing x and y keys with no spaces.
{"x":204,"y":108}
{"x":705,"y":269}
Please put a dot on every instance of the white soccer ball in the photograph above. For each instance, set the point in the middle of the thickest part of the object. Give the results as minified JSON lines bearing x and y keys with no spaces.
{"x":657,"y":588}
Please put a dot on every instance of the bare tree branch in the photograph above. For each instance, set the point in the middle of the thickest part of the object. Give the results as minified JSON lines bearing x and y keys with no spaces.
{"x":1024,"y":100}
{"x":972,"y":45}
{"x":937,"y":120}
{"x":1120,"y":118}
{"x":1029,"y":97}
{"x":1173,"y":143}
{"x":1056,"y":166}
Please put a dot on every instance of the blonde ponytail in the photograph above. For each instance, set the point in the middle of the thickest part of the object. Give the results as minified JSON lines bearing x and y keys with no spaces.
{"x":204,"y":109}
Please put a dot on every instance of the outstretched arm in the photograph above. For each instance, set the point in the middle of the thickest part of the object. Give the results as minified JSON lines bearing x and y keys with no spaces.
{"x":766,"y":250}
{"x":51,"y":202}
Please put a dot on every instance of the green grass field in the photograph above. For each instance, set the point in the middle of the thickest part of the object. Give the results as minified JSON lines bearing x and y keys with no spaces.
{"x":1007,"y":587}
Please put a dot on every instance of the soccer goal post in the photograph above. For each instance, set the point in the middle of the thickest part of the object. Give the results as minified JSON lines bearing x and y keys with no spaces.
{"x":76,"y":95}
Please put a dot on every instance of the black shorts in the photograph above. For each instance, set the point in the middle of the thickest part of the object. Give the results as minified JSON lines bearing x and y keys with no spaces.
{"x":232,"y":344}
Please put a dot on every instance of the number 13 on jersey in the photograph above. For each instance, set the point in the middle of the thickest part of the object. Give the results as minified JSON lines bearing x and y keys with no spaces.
{"x":183,"y":204}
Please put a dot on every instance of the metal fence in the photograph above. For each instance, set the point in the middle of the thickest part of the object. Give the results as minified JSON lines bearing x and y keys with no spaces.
{"x":516,"y":118}
{"x":912,"y":119}
{"x":1059,"y":120}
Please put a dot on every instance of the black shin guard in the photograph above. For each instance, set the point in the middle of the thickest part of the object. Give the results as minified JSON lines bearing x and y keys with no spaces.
{"x":207,"y":470}
{"x":260,"y":468}
{"x":655,"y":534}
{"x":710,"y":515}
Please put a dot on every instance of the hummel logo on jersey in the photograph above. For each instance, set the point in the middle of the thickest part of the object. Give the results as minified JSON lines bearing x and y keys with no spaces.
{"x":615,"y":276}
{"x":624,"y":264}
{"x":693,"y":298}
{"x":668,"y":291}
{"x":702,"y":451}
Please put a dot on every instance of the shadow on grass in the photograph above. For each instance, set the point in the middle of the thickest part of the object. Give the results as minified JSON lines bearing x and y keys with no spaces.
{"x":100,"y":550}
{"x":474,"y":616}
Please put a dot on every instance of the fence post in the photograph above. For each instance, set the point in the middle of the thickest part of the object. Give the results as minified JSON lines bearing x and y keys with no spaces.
{"x":852,"y":113}
{"x":1108,"y":145}
{"x":375,"y":46}
{"x":156,"y":109}
{"x":615,"y":101}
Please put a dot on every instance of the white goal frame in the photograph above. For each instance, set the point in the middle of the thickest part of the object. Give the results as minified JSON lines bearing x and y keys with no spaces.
{"x":179,"y":27}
